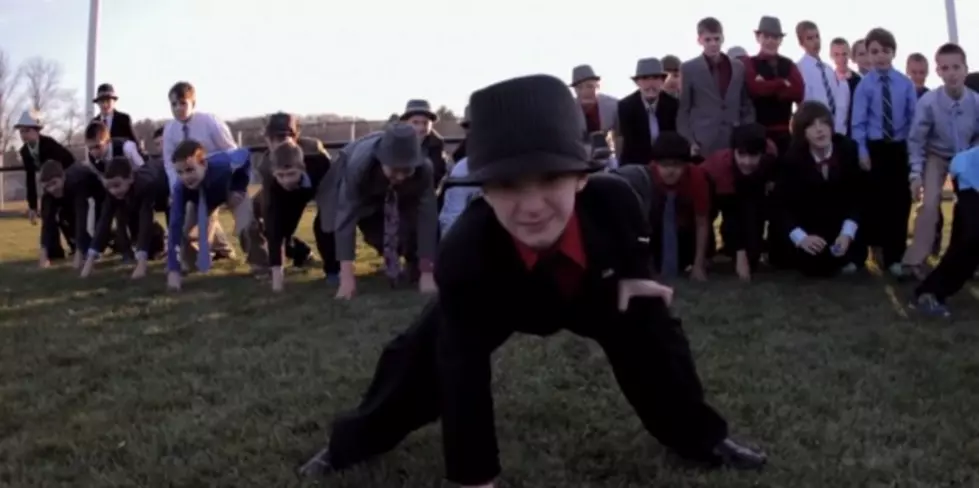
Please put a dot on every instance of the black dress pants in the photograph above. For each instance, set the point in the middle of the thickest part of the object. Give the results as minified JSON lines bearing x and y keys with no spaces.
{"x":961,"y":259}
{"x":651,"y":361}
{"x":888,"y":204}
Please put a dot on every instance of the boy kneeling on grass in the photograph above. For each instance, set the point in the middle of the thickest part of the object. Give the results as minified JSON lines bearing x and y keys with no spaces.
{"x":961,"y":259}
{"x":68,"y":193}
{"x":134,"y":197}
{"x":205,"y":183}
{"x":546,"y":249}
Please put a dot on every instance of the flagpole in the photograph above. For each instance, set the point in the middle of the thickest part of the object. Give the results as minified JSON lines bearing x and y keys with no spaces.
{"x":952,"y":21}
{"x":93,"y":43}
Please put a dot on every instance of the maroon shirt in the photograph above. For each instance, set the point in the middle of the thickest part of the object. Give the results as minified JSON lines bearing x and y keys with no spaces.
{"x":722,"y":73}
{"x":593,"y":121}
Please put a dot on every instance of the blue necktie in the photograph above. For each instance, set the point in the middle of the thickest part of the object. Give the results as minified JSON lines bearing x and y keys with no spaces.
{"x":670,"y":261}
{"x":203,"y":246}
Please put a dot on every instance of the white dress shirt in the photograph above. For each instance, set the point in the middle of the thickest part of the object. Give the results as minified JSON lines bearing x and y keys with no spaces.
{"x":207,"y":129}
{"x":812,"y":70}
{"x":131,"y":151}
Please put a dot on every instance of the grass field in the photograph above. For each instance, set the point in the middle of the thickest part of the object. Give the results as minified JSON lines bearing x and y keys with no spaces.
{"x":111,"y":383}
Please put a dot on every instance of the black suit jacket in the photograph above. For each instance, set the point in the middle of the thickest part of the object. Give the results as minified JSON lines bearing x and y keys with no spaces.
{"x":122,"y":126}
{"x":81,"y":183}
{"x":47,"y":149}
{"x":634,"y":126}
{"x":486,"y":293}
{"x":819,"y":205}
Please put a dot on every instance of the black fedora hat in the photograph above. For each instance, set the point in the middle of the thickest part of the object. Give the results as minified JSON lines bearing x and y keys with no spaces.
{"x":521,"y":127}
{"x":672,"y":147}
{"x":105,"y":91}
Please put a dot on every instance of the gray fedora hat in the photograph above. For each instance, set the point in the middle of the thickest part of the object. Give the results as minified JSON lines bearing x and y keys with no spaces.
{"x":770,"y":25}
{"x":399,"y":147}
{"x":737,"y":52}
{"x":418,"y":106}
{"x":649,"y":67}
{"x":583,"y":73}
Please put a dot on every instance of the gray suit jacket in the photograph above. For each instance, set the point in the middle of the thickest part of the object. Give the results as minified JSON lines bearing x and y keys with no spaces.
{"x":348,"y":194}
{"x":705,"y":118}
{"x":608,"y":112}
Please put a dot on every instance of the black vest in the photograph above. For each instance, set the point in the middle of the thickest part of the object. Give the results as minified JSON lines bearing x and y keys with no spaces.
{"x":117,"y":151}
{"x":770,"y":110}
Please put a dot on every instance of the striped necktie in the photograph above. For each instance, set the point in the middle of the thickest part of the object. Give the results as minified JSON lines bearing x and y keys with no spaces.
{"x":887,"y":109}
{"x":830,"y":99}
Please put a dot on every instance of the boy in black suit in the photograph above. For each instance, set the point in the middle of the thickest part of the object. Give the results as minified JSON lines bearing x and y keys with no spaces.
{"x":119,"y":124}
{"x":562,"y":251}
{"x":818,"y":194}
{"x":64,"y":206}
{"x":290,"y":185}
{"x":645,"y":114}
{"x":135,"y":195}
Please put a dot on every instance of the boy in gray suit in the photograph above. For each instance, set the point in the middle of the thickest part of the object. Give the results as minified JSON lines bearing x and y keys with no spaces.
{"x":713,"y":96}
{"x":382,"y":184}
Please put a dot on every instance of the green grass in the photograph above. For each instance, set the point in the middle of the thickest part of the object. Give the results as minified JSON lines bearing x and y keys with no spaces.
{"x":111,"y":383}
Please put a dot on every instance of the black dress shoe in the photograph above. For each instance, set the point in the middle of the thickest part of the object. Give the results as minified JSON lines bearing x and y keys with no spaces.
{"x":730,"y":454}
{"x":318,"y":465}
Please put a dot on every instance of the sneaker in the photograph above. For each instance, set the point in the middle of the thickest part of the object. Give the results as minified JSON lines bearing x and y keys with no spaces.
{"x":896,"y":270}
{"x":927,"y":304}
{"x":849,"y":269}
{"x":333,"y":279}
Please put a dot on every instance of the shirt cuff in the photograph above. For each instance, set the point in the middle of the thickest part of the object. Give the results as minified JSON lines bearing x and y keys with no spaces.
{"x":142,"y":255}
{"x":797,"y":235}
{"x":425,"y":265}
{"x":849,"y":229}
{"x":92,"y":253}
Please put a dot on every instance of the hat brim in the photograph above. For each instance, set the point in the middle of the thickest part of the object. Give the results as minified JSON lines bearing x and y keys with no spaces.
{"x":104,"y":96}
{"x":663,"y":75}
{"x":28,"y":126}
{"x":779,"y":34}
{"x":689,"y":159}
{"x":590,"y":78}
{"x":523,"y":166}
{"x":427,"y":113}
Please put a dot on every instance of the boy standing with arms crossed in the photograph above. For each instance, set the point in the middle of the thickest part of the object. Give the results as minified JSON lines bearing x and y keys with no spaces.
{"x":883,"y":109}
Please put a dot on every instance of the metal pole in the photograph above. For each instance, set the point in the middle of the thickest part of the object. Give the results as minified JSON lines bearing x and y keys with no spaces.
{"x":952,"y":21}
{"x":93,"y":44}
{"x":3,"y":183}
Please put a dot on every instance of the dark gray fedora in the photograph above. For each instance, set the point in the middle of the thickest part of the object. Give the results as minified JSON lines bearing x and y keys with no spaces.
{"x":583,"y":73}
{"x":649,"y":67}
{"x":521,"y":127}
{"x":419,"y":107}
{"x":399,"y":147}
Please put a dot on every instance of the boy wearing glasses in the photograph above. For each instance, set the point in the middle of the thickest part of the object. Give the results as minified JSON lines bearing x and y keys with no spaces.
{"x":382,"y":184}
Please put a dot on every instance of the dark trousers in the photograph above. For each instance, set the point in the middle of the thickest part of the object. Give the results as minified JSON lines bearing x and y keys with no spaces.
{"x":961,"y":259}
{"x":650,"y":358}
{"x":372,"y":227}
{"x":825,"y":264}
{"x":298,"y":251}
{"x":66,"y":224}
{"x":888,"y":200}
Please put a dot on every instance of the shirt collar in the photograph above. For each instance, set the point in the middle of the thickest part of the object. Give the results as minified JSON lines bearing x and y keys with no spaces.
{"x":820,"y":158}
{"x":570,"y":244}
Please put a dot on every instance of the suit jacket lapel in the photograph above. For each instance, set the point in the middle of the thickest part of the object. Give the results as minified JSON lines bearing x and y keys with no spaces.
{"x":707,"y":76}
{"x":598,"y":249}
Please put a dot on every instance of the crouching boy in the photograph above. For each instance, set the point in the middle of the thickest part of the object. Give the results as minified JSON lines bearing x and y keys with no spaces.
{"x":205,"y":182}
